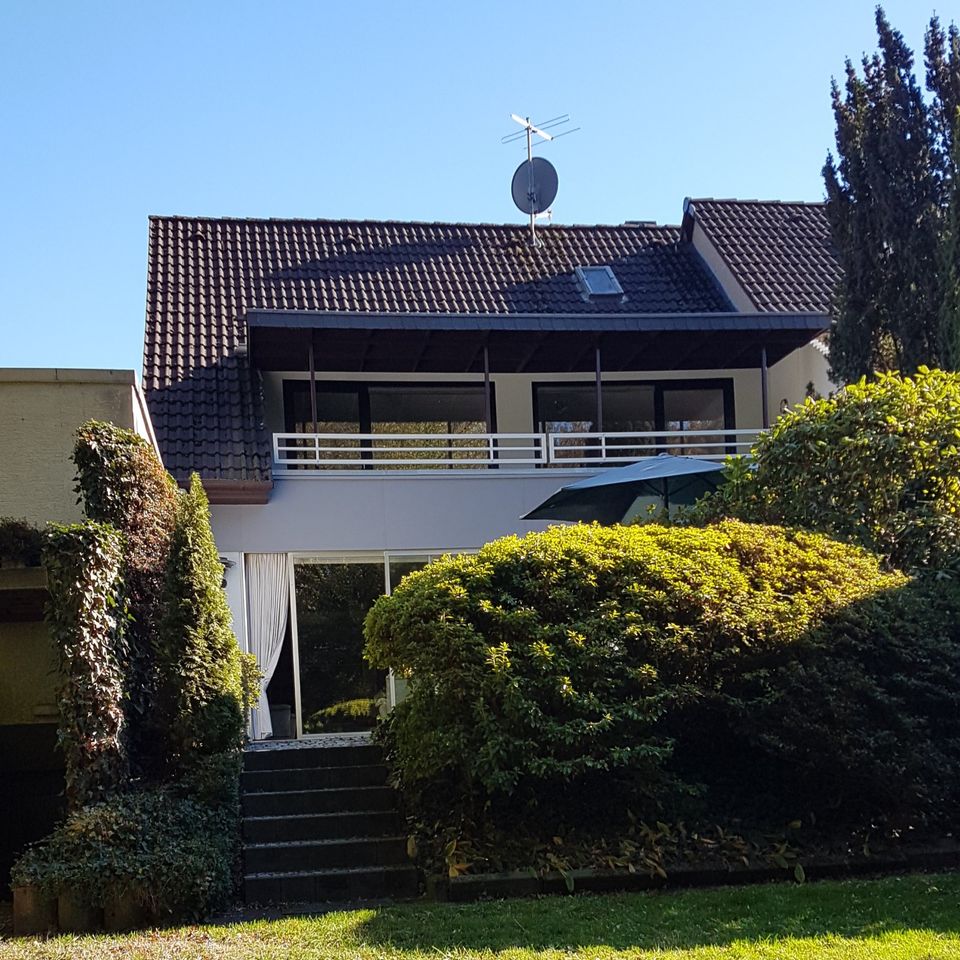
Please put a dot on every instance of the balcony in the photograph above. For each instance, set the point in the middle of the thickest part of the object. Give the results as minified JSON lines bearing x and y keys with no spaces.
{"x":296,"y":453}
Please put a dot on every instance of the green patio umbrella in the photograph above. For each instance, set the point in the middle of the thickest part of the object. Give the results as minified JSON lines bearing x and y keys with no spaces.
{"x":622,"y":493}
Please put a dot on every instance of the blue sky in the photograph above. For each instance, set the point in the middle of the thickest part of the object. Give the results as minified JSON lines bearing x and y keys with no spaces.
{"x":111,"y":111}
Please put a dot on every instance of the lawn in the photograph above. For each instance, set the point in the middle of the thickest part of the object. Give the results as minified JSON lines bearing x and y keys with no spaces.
{"x":915,"y":917}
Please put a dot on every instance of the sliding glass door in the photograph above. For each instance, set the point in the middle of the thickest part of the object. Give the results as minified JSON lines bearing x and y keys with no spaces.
{"x":338,"y":691}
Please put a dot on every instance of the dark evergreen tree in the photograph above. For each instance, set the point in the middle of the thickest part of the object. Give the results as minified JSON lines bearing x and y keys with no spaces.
{"x":942,"y":50}
{"x":886,"y":206}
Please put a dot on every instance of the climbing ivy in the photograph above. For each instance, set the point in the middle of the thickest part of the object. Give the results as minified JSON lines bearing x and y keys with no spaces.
{"x":87,"y":615}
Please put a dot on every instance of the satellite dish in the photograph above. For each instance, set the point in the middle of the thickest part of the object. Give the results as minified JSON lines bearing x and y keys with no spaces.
{"x":534,"y":185}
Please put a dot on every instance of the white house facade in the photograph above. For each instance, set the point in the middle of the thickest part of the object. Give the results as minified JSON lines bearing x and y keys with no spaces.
{"x":360,"y":397}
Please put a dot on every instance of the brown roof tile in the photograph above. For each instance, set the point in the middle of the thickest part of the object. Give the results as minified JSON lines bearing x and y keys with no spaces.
{"x":780,"y":253}
{"x":205,"y":274}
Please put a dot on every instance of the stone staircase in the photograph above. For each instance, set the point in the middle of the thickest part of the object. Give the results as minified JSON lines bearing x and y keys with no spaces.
{"x":321,"y":824}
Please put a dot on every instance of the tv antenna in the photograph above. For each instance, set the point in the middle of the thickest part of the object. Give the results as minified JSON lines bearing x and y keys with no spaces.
{"x":535,"y":181}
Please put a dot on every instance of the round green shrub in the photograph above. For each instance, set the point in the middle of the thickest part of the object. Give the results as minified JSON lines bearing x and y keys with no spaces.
{"x":877,"y":464}
{"x":608,"y":657}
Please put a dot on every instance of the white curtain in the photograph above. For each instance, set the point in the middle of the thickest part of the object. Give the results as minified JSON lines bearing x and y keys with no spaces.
{"x":268,"y":600}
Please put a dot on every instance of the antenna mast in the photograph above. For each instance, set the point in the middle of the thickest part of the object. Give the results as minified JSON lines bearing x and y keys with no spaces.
{"x":530,"y":130}
{"x":535,"y":182}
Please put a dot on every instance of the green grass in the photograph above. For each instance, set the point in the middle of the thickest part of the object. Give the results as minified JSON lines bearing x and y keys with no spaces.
{"x":916,"y":917}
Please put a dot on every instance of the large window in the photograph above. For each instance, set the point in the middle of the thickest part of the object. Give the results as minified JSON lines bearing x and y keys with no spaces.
{"x":422,"y":409}
{"x":632,"y":406}
{"x":338,"y":689}
{"x":387,"y":407}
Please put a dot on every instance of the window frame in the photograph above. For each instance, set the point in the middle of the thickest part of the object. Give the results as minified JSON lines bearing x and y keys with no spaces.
{"x":724,"y":384}
{"x":582,"y":273}
{"x":362,"y":389}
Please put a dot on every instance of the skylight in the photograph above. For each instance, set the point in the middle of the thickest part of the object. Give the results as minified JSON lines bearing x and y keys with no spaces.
{"x":600,"y":282}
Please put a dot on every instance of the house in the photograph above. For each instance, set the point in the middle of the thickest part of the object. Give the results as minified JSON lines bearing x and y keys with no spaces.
{"x":359,"y":396}
{"x":40,"y":411}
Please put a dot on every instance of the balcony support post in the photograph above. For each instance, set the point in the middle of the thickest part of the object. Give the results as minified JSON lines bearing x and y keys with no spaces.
{"x":313,"y":385}
{"x":599,"y":426}
{"x":487,"y":405}
{"x":764,"y":390}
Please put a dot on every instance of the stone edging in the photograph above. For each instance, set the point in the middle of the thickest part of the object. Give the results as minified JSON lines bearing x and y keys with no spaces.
{"x":521,"y":883}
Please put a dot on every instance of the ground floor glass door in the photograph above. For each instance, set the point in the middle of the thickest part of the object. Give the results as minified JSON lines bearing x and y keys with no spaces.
{"x":338,"y":691}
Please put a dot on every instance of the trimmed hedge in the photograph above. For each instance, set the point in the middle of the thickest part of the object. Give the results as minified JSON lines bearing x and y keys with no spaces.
{"x":549,"y":656}
{"x":876,"y":464}
{"x":731,"y":670}
{"x":87,"y":617}
{"x":204,"y":684}
{"x":857,"y":724}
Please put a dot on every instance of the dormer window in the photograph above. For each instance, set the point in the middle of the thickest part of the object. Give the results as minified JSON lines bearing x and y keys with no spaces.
{"x":599,"y":283}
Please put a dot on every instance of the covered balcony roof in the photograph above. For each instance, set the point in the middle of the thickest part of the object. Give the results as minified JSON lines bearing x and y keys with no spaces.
{"x":524,"y":343}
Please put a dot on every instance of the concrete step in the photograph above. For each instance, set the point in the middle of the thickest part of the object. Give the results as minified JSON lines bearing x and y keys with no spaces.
{"x":322,"y":826}
{"x":324,"y":854}
{"x":313,"y":778}
{"x":334,"y":800}
{"x":298,"y":757}
{"x":317,"y":886}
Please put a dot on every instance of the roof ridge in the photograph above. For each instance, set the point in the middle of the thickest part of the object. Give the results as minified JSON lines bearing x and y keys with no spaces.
{"x":766,"y":203}
{"x":346,"y":221}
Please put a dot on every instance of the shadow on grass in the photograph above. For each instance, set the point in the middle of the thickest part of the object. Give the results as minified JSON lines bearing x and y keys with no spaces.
{"x":676,"y":919}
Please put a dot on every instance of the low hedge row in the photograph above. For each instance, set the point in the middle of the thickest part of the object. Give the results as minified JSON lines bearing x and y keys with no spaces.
{"x":172,"y":854}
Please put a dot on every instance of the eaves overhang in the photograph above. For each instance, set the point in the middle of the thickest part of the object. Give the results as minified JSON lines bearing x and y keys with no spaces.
{"x":518,"y":343}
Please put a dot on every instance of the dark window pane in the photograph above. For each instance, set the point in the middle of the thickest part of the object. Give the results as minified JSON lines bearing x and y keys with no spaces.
{"x":338,"y":411}
{"x":410,"y":407}
{"x":693,"y":410}
{"x":429,"y":409}
{"x":572,"y":408}
{"x":628,"y":407}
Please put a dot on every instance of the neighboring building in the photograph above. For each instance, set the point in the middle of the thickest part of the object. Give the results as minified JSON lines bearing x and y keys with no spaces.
{"x":40,"y":411}
{"x":359,"y":397}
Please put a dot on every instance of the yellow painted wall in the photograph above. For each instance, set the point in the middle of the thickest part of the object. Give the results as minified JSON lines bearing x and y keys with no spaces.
{"x":40,"y":411}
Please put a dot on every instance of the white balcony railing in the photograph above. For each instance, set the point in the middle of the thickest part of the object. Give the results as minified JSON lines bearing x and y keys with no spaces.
{"x":350,"y":451}
{"x":588,"y":448}
{"x":295,"y":452}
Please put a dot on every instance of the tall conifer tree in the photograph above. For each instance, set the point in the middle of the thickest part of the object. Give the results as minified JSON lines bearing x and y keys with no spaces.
{"x":888,"y":201}
{"x":942,"y":50}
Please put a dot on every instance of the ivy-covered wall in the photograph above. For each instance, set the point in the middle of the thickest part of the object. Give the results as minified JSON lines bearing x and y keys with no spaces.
{"x":152,"y":691}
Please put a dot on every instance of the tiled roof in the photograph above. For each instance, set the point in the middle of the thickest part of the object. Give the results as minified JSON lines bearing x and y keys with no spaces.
{"x":780,"y":253}
{"x":205,"y":274}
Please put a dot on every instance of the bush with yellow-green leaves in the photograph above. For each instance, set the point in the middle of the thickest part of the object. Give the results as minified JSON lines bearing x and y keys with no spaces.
{"x":733,"y":671}
{"x":876,"y":464}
